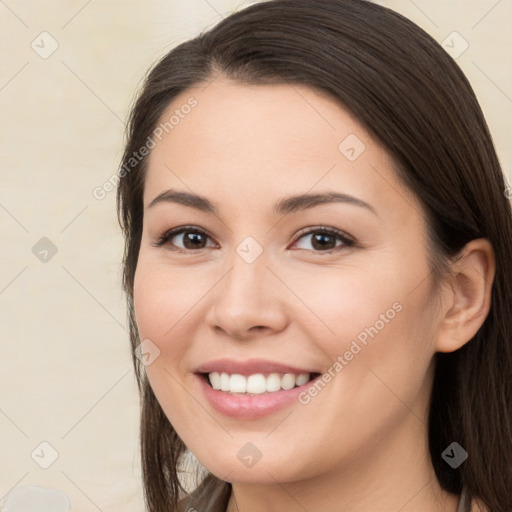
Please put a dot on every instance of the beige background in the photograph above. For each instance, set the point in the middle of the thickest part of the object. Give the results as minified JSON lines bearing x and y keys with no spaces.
{"x":65,"y":368}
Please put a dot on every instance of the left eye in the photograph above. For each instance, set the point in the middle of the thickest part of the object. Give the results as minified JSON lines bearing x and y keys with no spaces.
{"x":325,"y":240}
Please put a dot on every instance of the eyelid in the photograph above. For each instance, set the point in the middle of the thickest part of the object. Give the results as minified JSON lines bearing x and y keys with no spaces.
{"x":314,"y":229}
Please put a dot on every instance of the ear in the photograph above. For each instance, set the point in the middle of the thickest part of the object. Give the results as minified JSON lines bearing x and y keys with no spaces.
{"x":467,"y":295}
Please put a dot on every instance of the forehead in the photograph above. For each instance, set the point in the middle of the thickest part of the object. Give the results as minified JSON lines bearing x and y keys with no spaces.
{"x":264,"y":140}
{"x":245,"y":119}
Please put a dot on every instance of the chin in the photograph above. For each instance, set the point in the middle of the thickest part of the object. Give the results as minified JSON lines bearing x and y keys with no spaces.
{"x":238,"y":466}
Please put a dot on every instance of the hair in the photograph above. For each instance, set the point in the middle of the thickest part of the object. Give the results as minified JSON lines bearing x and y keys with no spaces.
{"x":414,"y":99}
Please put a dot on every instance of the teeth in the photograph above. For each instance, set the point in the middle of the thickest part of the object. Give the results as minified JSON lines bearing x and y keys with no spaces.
{"x":257,"y":383}
{"x":237,"y":384}
{"x":224,"y":381}
{"x":302,"y":378}
{"x":273,"y":382}
{"x":288,"y":381}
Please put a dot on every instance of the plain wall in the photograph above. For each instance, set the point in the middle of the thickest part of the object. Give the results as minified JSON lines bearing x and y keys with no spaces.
{"x":65,"y":367}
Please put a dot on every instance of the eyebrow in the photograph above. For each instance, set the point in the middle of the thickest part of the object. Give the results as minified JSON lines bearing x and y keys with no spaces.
{"x":284,"y":206}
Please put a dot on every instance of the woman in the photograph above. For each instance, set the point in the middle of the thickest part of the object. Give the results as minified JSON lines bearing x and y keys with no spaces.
{"x":318,"y":270}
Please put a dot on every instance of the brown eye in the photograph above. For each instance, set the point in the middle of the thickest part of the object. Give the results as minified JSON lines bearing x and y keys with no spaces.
{"x":184,"y":238}
{"x":324,"y":240}
{"x":193,"y":240}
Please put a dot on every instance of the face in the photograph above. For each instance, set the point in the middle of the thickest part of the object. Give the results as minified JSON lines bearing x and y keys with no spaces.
{"x":283,"y":262}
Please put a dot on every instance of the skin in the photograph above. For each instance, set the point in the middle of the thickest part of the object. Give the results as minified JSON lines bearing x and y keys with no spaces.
{"x":360,"y":445}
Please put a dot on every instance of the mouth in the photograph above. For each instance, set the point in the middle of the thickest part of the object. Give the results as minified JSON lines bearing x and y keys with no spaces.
{"x":256,"y":383}
{"x":253,"y":388}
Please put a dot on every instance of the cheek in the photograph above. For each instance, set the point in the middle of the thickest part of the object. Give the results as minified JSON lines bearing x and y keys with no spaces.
{"x":343,"y":302}
{"x":380,"y":351}
{"x":164,"y":302}
{"x":164,"y":307}
{"x":377,"y":315}
{"x":152,"y":307}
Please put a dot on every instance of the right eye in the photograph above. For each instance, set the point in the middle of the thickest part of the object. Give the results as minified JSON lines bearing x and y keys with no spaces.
{"x":190,"y":237}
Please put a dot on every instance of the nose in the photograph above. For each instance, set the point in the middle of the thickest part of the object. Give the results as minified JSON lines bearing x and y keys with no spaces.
{"x":249,"y":300}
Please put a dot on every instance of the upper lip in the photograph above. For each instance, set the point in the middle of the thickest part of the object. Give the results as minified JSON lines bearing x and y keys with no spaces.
{"x":248,"y":367}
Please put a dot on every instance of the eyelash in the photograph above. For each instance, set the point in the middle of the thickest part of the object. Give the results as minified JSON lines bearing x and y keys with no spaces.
{"x":347,"y":241}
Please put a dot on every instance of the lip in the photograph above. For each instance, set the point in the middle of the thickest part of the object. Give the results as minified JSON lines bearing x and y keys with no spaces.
{"x":251,"y":407}
{"x":249,"y":367}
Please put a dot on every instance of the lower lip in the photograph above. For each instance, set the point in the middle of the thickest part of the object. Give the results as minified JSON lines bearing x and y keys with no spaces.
{"x":251,"y":407}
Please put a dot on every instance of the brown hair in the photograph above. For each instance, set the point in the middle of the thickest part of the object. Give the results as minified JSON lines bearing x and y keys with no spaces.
{"x":404,"y":88}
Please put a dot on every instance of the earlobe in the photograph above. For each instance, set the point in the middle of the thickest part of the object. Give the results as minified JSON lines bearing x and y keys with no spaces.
{"x":470,"y":284}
